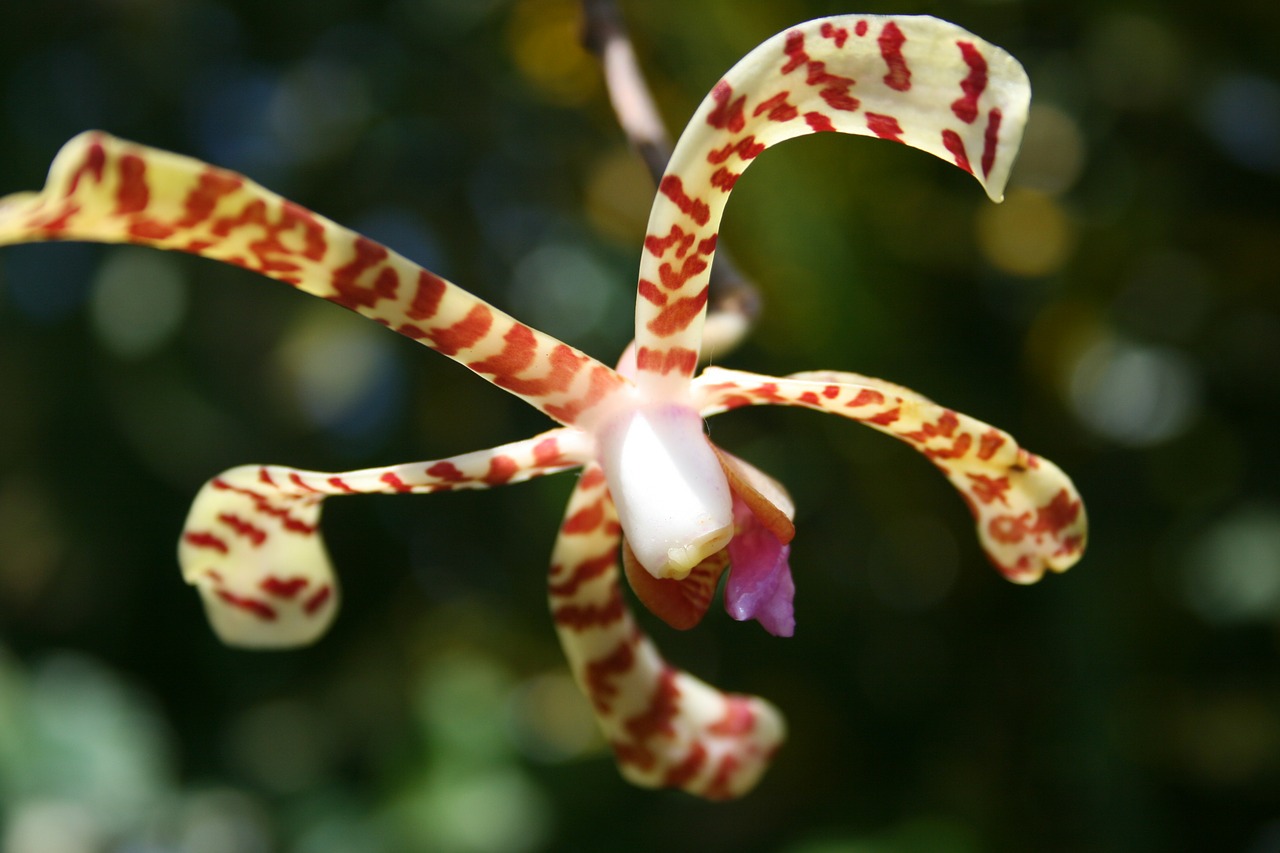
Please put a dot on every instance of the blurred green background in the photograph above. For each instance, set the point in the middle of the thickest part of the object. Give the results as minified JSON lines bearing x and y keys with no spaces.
{"x":1120,"y":314}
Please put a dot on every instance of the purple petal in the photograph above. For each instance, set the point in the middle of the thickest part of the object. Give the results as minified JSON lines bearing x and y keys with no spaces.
{"x":760,"y":586}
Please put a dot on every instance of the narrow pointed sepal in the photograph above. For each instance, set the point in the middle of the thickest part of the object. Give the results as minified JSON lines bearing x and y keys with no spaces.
{"x":254,"y":552}
{"x":1029,"y":516}
{"x":108,"y":190}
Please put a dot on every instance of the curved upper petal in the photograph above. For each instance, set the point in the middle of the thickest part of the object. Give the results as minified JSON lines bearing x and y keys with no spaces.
{"x":1029,"y":515}
{"x":916,"y":80}
{"x":108,"y":190}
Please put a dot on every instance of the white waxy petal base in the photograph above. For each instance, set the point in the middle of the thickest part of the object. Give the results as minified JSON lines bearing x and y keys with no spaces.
{"x":672,"y":496}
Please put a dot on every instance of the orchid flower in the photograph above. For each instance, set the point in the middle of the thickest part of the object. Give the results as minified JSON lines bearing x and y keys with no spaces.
{"x":656,"y":499}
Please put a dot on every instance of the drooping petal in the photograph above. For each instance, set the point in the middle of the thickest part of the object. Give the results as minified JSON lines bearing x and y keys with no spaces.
{"x":760,"y":585}
{"x":680,"y":603}
{"x":107,"y":190}
{"x":1029,"y":516}
{"x":667,"y":728}
{"x":767,"y":499}
{"x":252,"y":546}
{"x":916,"y":80}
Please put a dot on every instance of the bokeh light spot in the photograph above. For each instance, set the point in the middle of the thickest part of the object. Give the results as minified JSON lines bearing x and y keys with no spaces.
{"x":551,"y":720}
{"x":1242,"y":114}
{"x":1052,"y":155}
{"x":1133,"y":394}
{"x":343,"y":375}
{"x":544,"y":43}
{"x":137,"y":301}
{"x":1231,"y":572}
{"x":1028,"y":235}
{"x":618,"y":195}
{"x":562,"y":290}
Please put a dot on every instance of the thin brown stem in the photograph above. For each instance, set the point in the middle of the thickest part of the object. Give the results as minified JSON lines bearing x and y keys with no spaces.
{"x":605,"y":35}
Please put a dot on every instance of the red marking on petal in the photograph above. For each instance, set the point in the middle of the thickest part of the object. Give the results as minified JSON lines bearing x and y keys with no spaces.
{"x":839,"y":35}
{"x":565,"y":365}
{"x":547,"y":453}
{"x":1009,"y":529}
{"x":648,"y":290}
{"x":501,"y":469}
{"x":955,"y":145}
{"x":677,"y":236}
{"x":587,"y":570}
{"x":831,"y":392}
{"x":580,"y":617}
{"x":519,"y":349}
{"x":283,"y":587}
{"x":958,"y":448}
{"x":297,"y":480}
{"x":149,"y":229}
{"x":891,"y":41}
{"x":707,"y":246}
{"x":584,"y":520}
{"x":990,"y":139}
{"x":811,"y":398}
{"x":988,"y":489}
{"x":860,"y":28}
{"x":682,"y":773}
{"x":394,"y":481}
{"x":727,"y":114}
{"x":835,"y":89}
{"x":818,"y":123}
{"x":350,"y":293}
{"x":794,"y":50}
{"x":677,"y":316}
{"x":966,"y":107}
{"x":1059,"y":513}
{"x":95,"y":159}
{"x":426,"y":296}
{"x":886,"y":417}
{"x":591,"y":479}
{"x":693,"y":265}
{"x":720,"y":787}
{"x":262,"y":505}
{"x":445,"y":471}
{"x":673,"y":188}
{"x":991,"y":442}
{"x":601,"y":672}
{"x":462,"y":334}
{"x":341,"y":485}
{"x":205,"y":540}
{"x":723,"y":179}
{"x":202,"y":200}
{"x":133,"y":194}
{"x":663,"y":706}
{"x":777,"y":108}
{"x":738,"y":717}
{"x":746,"y":148}
{"x":602,"y":382}
{"x":634,"y":755}
{"x":318,"y":600}
{"x":885,"y":127}
{"x":261,"y":609}
{"x":249,"y":531}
